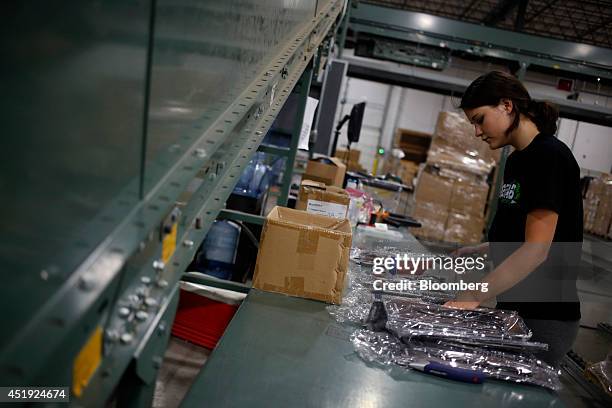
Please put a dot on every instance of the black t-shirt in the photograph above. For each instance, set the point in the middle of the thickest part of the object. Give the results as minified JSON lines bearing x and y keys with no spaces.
{"x":544,"y":175}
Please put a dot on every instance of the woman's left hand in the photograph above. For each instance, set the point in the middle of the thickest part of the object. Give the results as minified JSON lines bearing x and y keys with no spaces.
{"x":466,"y":300}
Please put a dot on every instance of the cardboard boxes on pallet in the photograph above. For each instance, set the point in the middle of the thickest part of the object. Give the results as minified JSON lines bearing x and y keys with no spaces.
{"x":463,"y":228}
{"x":434,"y":189}
{"x":454,"y":146}
{"x":433,"y":219}
{"x":450,"y":209}
{"x":598,"y":206}
{"x":454,"y":181}
{"x":469,"y":197}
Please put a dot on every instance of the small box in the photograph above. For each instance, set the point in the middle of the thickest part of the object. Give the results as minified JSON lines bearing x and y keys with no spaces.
{"x":331,"y":174}
{"x":434,"y":189}
{"x":317,"y":198}
{"x":303,"y":255}
{"x":348,"y":156}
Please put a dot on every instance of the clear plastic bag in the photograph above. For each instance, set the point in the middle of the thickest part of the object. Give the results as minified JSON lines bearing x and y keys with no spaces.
{"x":408,"y":318}
{"x":385,"y":349}
{"x":601,"y":373}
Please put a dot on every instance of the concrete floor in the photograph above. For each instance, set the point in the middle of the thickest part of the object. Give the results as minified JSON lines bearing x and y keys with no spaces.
{"x":183,"y":360}
{"x":182,"y":363}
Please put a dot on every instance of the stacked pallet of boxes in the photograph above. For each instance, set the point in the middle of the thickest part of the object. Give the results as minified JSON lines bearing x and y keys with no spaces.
{"x":598,"y":206}
{"x":452,"y":191}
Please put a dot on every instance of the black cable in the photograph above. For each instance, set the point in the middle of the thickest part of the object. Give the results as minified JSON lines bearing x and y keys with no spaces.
{"x":248,"y":233}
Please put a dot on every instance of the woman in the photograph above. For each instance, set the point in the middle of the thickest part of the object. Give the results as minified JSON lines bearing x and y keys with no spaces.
{"x":535,"y":240}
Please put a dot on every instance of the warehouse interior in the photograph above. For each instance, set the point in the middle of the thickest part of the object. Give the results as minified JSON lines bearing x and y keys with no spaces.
{"x":208,"y":203}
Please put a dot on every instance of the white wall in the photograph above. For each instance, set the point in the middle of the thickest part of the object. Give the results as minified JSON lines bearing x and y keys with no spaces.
{"x":419,"y":110}
{"x":375,"y":95}
{"x":567,"y":131}
{"x":593,"y":147}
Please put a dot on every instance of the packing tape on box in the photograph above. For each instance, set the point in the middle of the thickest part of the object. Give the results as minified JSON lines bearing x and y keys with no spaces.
{"x":335,"y":235}
{"x":324,"y":180}
{"x":294,"y":284}
{"x":308,"y":241}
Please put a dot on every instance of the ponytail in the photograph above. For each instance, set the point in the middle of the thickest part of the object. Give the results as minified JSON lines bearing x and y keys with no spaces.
{"x":544,"y":114}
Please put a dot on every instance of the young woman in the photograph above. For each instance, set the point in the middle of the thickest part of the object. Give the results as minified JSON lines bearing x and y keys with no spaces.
{"x":535,"y":240}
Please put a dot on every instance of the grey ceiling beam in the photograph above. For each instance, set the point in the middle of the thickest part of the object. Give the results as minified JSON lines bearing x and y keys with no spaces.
{"x":480,"y":40}
{"x":441,"y":83}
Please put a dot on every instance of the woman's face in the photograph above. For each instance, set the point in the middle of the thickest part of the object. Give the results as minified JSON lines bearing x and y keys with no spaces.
{"x":491,"y":123}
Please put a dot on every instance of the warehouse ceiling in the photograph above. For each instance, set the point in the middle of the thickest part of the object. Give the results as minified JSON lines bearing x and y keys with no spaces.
{"x":587,"y":21}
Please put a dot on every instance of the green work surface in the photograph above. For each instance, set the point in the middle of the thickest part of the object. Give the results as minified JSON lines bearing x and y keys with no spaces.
{"x":285,"y":351}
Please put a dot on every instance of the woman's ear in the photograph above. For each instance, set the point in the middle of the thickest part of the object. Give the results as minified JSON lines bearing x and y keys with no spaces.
{"x":507,"y":105}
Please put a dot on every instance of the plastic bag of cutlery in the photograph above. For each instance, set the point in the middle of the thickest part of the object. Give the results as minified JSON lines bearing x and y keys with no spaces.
{"x":407,"y":318}
{"x":385,"y":349}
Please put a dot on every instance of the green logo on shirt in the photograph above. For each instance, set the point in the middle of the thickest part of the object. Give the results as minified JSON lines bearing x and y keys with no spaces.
{"x":510,"y":193}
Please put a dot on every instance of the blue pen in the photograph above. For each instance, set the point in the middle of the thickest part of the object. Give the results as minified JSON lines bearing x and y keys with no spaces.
{"x":452,"y":373}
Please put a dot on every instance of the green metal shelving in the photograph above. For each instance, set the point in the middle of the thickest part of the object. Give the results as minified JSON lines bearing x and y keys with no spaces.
{"x":128,"y":127}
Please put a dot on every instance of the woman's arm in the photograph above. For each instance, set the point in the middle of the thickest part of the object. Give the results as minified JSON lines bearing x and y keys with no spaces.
{"x":539,"y":232}
{"x":479,"y":249}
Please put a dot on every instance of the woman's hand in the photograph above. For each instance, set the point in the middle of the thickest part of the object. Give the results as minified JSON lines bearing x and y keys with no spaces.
{"x":465,"y":300}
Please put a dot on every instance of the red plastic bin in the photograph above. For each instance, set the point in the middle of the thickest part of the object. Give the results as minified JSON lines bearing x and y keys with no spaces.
{"x":201,"y":320}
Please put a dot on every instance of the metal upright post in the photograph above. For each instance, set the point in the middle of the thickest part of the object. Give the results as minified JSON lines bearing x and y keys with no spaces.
{"x":344,"y":29}
{"x":304,"y":86}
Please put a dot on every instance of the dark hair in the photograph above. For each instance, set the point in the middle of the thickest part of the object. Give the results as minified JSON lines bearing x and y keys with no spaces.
{"x":489,"y":89}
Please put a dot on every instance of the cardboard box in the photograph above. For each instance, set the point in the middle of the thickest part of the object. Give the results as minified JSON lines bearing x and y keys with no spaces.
{"x":348,"y":156}
{"x":463,"y":228}
{"x":408,"y":171}
{"x":434,"y":189}
{"x":317,"y":198}
{"x":303,"y":255}
{"x":355,"y":167}
{"x":598,"y":205}
{"x":469,"y":197}
{"x":330,"y":174}
{"x":433,"y":221}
